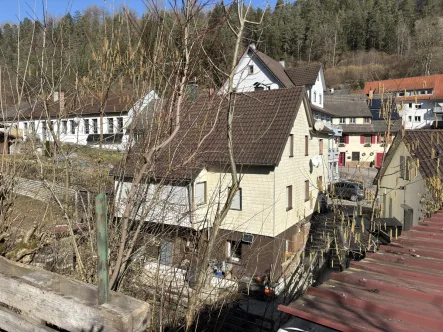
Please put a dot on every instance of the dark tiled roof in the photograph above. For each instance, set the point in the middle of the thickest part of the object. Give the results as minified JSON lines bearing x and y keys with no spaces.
{"x":318,"y":109}
{"x":304,"y":74}
{"x":274,"y":67}
{"x":347,"y":105}
{"x":376,"y":126}
{"x":261,"y":127}
{"x":398,"y":288}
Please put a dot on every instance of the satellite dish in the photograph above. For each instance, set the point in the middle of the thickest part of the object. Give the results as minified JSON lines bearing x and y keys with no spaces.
{"x":319,"y":125}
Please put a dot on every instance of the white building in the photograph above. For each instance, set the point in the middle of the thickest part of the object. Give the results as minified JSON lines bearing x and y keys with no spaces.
{"x":78,"y":121}
{"x":419,"y":100}
{"x":257,"y":71}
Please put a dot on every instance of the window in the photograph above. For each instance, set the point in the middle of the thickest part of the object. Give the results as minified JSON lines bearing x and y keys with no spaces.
{"x":401,"y":94}
{"x":319,"y":98}
{"x":95,"y":126}
{"x":320,"y":146}
{"x":166,"y":252}
{"x":120,"y":125}
{"x":417,"y":106}
{"x":200,"y":193}
{"x":402,"y":167}
{"x":251,"y":69}
{"x":410,"y":118}
{"x":355,"y":156}
{"x":291,"y":145}
{"x":234,"y":250}
{"x":32,"y":125}
{"x":86,"y":122}
{"x":342,"y":120}
{"x":306,"y":145}
{"x":64,"y":127}
{"x":44,"y":130}
{"x":342,"y":139}
{"x":367,"y":139}
{"x":405,"y":167}
{"x":417,"y":118}
{"x":288,"y":198}
{"x":72,"y":124}
{"x":367,"y":120}
{"x":110,"y":125}
{"x":25,"y":127}
{"x":410,"y":105}
{"x":306,"y":190}
{"x":315,"y":96}
{"x":237,"y":200}
{"x":352,"y":120}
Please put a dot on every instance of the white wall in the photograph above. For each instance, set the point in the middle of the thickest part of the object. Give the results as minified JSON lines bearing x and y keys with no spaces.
{"x":318,"y":90}
{"x":409,"y":112}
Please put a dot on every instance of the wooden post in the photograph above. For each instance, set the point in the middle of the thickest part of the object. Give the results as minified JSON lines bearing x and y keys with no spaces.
{"x":102,"y":248}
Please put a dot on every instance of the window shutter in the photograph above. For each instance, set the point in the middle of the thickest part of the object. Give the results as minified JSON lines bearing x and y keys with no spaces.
{"x":237,"y":200}
{"x":402,"y":167}
{"x":200,"y":193}
{"x":373,"y":139}
{"x":347,"y":139}
{"x":362,"y":140}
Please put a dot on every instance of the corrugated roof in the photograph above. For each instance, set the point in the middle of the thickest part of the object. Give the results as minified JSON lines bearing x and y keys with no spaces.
{"x":409,"y":83}
{"x":347,"y":105}
{"x":399,"y":288}
{"x":304,"y":74}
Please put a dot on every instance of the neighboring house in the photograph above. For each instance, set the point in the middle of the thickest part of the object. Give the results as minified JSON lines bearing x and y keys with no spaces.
{"x":78,"y":120}
{"x":278,"y":153}
{"x":419,"y":100}
{"x":257,"y":71}
{"x":364,"y":141}
{"x":410,"y":179}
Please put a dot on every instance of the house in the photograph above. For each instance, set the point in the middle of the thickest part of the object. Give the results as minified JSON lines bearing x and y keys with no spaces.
{"x":256,"y":71}
{"x":279,"y":155}
{"x":397,"y":288}
{"x":364,"y":141}
{"x":410,"y":179}
{"x":78,"y":120}
{"x":419,"y":100}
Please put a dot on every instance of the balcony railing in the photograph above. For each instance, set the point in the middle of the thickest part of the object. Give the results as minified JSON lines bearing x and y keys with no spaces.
{"x":438,"y":109}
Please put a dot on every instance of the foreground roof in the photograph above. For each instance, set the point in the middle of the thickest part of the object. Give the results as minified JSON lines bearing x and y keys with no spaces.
{"x":399,"y":288}
{"x":304,"y":74}
{"x":347,"y":105}
{"x":408,"y":83}
{"x":261,"y":126}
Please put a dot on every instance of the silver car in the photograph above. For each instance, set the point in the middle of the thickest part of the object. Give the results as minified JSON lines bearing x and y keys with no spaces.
{"x":347,"y":190}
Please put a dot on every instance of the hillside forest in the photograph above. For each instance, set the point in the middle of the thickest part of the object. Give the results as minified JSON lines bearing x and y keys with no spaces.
{"x":355,"y":40}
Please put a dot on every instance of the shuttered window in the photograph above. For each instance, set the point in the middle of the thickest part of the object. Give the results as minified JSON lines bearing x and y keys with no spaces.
{"x":320,"y":146}
{"x":237,"y":201}
{"x":306,"y":145}
{"x":306,"y":190}
{"x":291,"y":145}
{"x":402,"y":167}
{"x":200,"y":193}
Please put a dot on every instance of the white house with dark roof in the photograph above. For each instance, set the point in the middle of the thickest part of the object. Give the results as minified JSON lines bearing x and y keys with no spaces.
{"x":256,"y":71}
{"x":278,"y":152}
{"x":78,"y":120}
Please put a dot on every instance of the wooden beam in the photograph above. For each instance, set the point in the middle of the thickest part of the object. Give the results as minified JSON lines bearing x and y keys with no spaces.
{"x":11,"y":321}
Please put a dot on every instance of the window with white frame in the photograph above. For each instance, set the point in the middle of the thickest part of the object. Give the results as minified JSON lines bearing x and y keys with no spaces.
{"x":352,"y":120}
{"x":237,"y":200}
{"x":32,"y":125}
{"x":233,"y":250}
{"x":342,"y":120}
{"x":86,"y":123}
{"x":367,"y":120}
{"x":410,"y":118}
{"x":25,"y":127}
{"x":288,"y":198}
{"x":417,"y":106}
{"x":200,"y":193}
{"x":319,"y":98}
{"x":110,"y":125}
{"x":315,"y":96}
{"x":95,"y":126}
{"x":72,"y":125}
{"x":417,"y":118}
{"x":64,"y":127}
{"x":119,"y":124}
{"x":251,"y":69}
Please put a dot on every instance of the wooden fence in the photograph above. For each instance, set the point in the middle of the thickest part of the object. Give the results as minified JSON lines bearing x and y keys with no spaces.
{"x":32,"y":299}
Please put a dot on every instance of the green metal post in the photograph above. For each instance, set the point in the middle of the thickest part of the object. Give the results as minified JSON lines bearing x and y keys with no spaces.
{"x":102,"y":248}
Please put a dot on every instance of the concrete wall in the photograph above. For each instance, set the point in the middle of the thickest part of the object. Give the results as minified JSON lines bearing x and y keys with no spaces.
{"x":399,"y":191}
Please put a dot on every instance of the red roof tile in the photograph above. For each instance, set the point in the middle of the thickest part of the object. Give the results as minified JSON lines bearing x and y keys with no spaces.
{"x":409,"y":83}
{"x":399,"y":288}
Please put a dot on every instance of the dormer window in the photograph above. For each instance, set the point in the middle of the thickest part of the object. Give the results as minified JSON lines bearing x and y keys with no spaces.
{"x":251,"y":69}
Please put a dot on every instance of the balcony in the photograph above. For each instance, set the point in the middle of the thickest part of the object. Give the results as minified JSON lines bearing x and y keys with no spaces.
{"x":333,"y":155}
{"x":438,"y":109}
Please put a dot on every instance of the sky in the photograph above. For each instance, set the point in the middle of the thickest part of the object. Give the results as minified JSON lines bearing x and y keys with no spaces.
{"x":12,"y":10}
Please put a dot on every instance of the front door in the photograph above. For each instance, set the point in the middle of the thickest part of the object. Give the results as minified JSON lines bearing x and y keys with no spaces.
{"x":379,"y":159}
{"x":341,"y":159}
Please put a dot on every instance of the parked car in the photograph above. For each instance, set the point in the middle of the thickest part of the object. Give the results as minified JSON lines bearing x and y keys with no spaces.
{"x":347,"y":190}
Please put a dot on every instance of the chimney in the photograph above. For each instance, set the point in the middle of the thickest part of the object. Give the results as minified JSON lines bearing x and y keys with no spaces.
{"x":55,"y":96}
{"x":252,"y":46}
{"x":282,"y":62}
